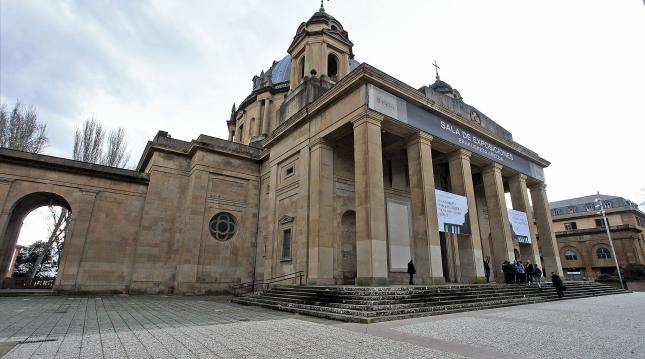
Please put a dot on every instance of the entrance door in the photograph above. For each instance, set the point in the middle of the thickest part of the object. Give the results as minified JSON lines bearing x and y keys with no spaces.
{"x":348,"y":247}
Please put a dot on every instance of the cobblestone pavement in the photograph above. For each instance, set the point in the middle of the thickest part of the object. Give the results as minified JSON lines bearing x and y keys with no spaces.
{"x":210,"y":327}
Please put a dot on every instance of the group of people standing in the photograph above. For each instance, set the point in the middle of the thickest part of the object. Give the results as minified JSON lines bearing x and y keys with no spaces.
{"x":519,"y":272}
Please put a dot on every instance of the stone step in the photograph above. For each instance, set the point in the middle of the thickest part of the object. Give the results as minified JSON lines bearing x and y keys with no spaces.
{"x":368,"y":304}
{"x":370,"y":317}
{"x":422,"y":304}
{"x":381,"y":305}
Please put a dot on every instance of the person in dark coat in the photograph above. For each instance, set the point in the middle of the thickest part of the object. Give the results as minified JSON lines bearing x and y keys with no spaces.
{"x":506,"y":268}
{"x":487,"y":268}
{"x":411,"y":271}
{"x":529,"y":272}
{"x":557,"y":283}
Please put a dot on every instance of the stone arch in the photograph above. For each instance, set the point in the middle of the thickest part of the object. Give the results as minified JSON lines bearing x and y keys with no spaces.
{"x":15,"y":216}
{"x":348,"y":246}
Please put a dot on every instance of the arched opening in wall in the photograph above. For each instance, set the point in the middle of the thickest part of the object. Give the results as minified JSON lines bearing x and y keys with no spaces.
{"x":301,"y":68}
{"x":31,"y":247}
{"x":348,"y":247}
{"x":332,"y":66}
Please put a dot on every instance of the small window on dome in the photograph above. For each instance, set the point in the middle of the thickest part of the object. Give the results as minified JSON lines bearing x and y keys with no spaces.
{"x":332,"y":66}
{"x":334,"y":28}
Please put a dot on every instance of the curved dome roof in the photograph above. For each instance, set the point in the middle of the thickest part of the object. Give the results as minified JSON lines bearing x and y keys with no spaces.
{"x":320,"y":15}
{"x":441,"y":86}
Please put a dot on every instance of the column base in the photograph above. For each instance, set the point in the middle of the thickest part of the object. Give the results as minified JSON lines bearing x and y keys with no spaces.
{"x":371,"y":281}
{"x":321,"y":281}
{"x":433,"y":280}
{"x":480,"y":280}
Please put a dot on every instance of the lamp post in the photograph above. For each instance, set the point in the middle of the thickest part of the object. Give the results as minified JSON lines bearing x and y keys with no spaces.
{"x":601,"y":206}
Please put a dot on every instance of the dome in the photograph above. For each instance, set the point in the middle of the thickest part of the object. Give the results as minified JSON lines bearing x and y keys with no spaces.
{"x":441,"y":87}
{"x":320,"y":16}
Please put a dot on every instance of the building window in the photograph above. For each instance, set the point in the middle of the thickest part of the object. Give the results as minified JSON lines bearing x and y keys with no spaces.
{"x":332,"y":66}
{"x":572,"y":210}
{"x":603,"y":253}
{"x":286,"y":243}
{"x":556,"y":212}
{"x":590,"y":207}
{"x":301,"y":68}
{"x":570,"y":255}
{"x":223,"y":226}
{"x":290,"y":171}
{"x":570,"y":226}
{"x":600,"y":222}
{"x":607,"y":204}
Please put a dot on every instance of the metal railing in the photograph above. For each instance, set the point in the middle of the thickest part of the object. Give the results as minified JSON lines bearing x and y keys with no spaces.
{"x":257,"y":286}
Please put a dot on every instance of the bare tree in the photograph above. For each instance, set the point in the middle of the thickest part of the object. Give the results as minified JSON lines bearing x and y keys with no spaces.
{"x":20,"y":130}
{"x":58,"y":231}
{"x":91,"y":145}
{"x":115,"y":154}
{"x":88,"y":143}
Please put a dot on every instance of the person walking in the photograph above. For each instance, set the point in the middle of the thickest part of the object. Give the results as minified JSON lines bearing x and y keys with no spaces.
{"x":411,"y":271}
{"x":487,"y":268}
{"x":557,"y":283}
{"x":529,"y":272}
{"x":537,"y":273}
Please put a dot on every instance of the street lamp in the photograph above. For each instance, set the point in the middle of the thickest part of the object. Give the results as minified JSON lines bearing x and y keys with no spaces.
{"x":601,"y":207}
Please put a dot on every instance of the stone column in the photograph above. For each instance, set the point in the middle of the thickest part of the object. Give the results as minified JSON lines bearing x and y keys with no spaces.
{"x":321,"y":213}
{"x":469,"y":246}
{"x":500,"y":228}
{"x":548,"y":243}
{"x":427,"y":246}
{"x":70,"y":273}
{"x":266,"y":117}
{"x":7,"y":246}
{"x":520,"y":201}
{"x":371,"y":245}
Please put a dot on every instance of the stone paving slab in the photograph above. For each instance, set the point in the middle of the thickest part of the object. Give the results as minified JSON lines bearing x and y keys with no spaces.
{"x":211,"y":327}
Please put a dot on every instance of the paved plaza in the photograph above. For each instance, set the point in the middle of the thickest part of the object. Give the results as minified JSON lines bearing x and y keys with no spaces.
{"x":210,"y":327}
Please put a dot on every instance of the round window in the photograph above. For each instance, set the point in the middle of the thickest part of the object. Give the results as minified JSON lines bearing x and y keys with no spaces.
{"x":223,"y":226}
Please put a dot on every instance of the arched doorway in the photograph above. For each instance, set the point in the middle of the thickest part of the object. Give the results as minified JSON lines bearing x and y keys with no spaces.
{"x":20,"y":210}
{"x":348,"y":246}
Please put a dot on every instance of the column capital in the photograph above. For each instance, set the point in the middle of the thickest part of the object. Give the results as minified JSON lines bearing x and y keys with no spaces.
{"x":460,"y":153}
{"x":493,"y":167}
{"x":419,"y":137}
{"x":367,"y":119}
{"x":520,"y":177}
{"x":537,"y":186}
{"x":319,"y":142}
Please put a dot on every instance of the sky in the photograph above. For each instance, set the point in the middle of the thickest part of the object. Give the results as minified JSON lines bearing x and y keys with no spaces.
{"x":567,"y":78}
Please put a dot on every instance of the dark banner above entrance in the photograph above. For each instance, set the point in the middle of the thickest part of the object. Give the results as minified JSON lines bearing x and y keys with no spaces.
{"x":401,"y":110}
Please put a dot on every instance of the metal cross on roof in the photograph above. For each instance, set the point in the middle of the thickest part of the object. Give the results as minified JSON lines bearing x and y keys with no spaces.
{"x":322,"y":8}
{"x":436,"y":68}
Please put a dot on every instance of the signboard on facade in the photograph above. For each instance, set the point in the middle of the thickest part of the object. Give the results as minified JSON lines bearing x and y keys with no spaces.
{"x":399,"y":233}
{"x":452,"y":213}
{"x":401,"y":110}
{"x":519,"y":226}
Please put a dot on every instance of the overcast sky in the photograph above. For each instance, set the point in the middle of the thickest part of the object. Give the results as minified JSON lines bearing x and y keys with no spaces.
{"x":567,"y":78}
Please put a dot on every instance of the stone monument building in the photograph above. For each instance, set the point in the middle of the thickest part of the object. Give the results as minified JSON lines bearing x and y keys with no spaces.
{"x":584,"y":247}
{"x":332,"y":167}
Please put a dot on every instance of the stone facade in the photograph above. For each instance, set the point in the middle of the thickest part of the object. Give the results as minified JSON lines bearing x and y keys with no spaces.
{"x":328,"y":169}
{"x":582,"y":236}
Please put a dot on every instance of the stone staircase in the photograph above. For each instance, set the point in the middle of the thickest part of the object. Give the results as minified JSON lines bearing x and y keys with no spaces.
{"x":376,"y":304}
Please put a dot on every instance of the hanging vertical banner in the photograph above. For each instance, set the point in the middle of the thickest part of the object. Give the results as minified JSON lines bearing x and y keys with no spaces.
{"x":519,"y":226}
{"x":452,"y":213}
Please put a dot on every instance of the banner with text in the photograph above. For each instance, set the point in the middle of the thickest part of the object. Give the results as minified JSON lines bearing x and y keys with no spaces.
{"x":519,"y":226}
{"x":444,"y":129}
{"x":452,"y":213}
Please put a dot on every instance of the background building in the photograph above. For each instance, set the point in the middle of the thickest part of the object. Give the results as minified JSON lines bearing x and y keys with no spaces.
{"x":582,"y":238}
